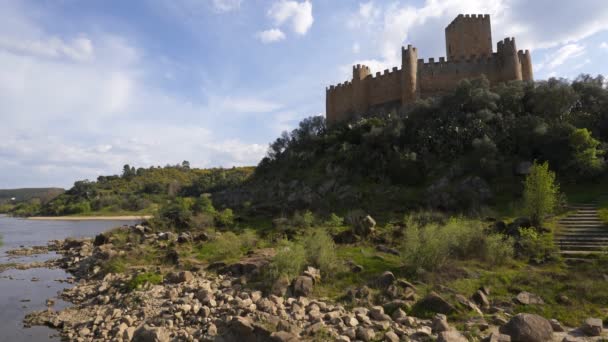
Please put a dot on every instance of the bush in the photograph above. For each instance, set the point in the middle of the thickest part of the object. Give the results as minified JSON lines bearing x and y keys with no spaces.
{"x":321,"y":251}
{"x":535,"y":246}
{"x":303,"y":220}
{"x":226,"y":246}
{"x":431,"y":246}
{"x":498,"y":249}
{"x":334,"y":221}
{"x":175,"y":214}
{"x":586,"y":158}
{"x":224,"y":218}
{"x":144,"y":278}
{"x":540,"y":193}
{"x":288,"y":262}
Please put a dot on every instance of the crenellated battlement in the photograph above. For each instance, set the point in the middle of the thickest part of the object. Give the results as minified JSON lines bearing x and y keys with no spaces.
{"x":469,"y":54}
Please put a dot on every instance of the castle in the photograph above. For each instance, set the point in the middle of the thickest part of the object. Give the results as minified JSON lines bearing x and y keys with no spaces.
{"x":468,"y":44}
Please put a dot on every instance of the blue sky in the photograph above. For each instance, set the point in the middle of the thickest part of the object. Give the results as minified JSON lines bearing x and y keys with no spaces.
{"x":87,"y":86}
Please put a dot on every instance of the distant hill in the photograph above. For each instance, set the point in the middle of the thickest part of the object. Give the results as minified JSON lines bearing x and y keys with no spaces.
{"x":26,"y":194}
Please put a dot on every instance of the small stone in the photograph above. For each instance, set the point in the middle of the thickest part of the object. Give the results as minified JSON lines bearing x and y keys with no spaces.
{"x":212,"y":330}
{"x":386,"y":279}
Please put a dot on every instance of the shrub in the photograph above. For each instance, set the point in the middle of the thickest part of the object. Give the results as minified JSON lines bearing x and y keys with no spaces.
{"x":540,"y":193}
{"x":144,"y":278}
{"x":115,"y":265}
{"x":224,"y":218}
{"x":535,"y":246}
{"x":334,"y":221}
{"x":303,"y":220}
{"x":431,"y":246}
{"x":224,"y":247}
{"x":321,"y":251}
{"x":175,"y":214}
{"x":499,"y":249}
{"x":586,"y":155}
{"x":289,"y":261}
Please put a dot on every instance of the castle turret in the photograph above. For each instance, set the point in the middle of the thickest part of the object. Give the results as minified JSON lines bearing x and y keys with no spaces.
{"x":360,"y":93}
{"x":409,"y":74}
{"x":511,"y":67}
{"x":526,"y":65}
{"x":468,"y":35}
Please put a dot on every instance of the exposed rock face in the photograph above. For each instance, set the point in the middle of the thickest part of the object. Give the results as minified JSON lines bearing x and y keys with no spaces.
{"x":528,"y":327}
{"x":385,"y":280}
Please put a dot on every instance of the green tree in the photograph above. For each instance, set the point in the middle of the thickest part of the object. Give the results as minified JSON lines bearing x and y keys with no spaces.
{"x":540,"y":193}
{"x":586,"y":155}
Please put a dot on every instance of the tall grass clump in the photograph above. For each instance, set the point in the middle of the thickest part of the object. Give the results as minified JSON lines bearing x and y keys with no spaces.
{"x":228,"y":246}
{"x":321,"y":251}
{"x":288,"y":262}
{"x":433,"y":245}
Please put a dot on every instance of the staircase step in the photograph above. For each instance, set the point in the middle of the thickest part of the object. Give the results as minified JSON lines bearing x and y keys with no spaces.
{"x":584,"y":248}
{"x":582,"y":252}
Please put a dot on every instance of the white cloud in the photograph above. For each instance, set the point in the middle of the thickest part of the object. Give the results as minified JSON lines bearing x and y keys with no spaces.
{"x":367,"y":15}
{"x":565,"y":53}
{"x":299,"y":14}
{"x":390,"y":26}
{"x":79,"y":49}
{"x":270,"y":36}
{"x":604,"y":46}
{"x":356,"y":48}
{"x":226,"y":5}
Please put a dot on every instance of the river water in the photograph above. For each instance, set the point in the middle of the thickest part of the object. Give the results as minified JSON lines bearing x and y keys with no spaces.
{"x":18,"y":293}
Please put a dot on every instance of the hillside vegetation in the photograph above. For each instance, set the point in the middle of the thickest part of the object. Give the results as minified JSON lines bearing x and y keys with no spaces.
{"x":135,"y":191}
{"x":9,"y":198}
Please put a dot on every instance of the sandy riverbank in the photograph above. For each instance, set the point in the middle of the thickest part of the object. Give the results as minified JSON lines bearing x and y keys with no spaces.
{"x":90,"y":218}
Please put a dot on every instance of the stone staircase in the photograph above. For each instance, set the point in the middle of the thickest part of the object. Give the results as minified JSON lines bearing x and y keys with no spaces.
{"x":582,"y":233}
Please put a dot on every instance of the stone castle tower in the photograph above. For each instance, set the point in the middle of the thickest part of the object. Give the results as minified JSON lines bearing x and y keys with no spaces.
{"x":468,"y":43}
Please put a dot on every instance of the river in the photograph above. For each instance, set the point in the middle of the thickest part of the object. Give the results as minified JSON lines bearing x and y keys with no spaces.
{"x":18,"y":293}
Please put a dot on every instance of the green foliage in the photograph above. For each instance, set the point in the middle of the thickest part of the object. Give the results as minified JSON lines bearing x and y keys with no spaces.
{"x":142,"y":279}
{"x":288,"y":262}
{"x":586,"y":156}
{"x":303,"y":220}
{"x":433,"y":245}
{"x":115,"y":265}
{"x":321,"y":251}
{"x":224,"y":218}
{"x":176,"y":214}
{"x":535,"y":246}
{"x":228,"y":246}
{"x":540,"y":192}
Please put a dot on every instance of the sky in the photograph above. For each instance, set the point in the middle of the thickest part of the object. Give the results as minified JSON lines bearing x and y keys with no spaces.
{"x":88,"y":86}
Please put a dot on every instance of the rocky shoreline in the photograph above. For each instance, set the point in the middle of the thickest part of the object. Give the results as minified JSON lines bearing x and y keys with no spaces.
{"x":199,"y":305}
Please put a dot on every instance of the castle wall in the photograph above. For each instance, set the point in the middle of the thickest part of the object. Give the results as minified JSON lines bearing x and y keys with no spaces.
{"x":468,"y":35}
{"x":418,"y":78}
{"x":385,"y":87}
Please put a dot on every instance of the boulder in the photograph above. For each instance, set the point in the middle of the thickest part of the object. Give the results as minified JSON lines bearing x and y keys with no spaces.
{"x":481,"y":299}
{"x":365,"y":334}
{"x":280,"y":286}
{"x":451,"y":336}
{"x":101,"y":239}
{"x":303,"y":286}
{"x":365,"y":226}
{"x":433,"y":302}
{"x":385,"y":280}
{"x":386,"y":249}
{"x":312,"y":273}
{"x":184,"y":237}
{"x":495,"y":337}
{"x":592,"y":327}
{"x":390,"y":336}
{"x":180,"y":277}
{"x":146,"y":333}
{"x":557,"y":326}
{"x":527,"y":298}
{"x":528,"y":327}
{"x":283,"y":336}
{"x":440,"y":323}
